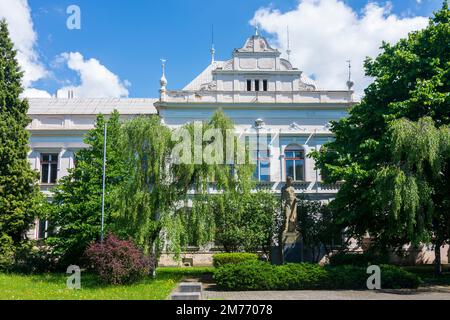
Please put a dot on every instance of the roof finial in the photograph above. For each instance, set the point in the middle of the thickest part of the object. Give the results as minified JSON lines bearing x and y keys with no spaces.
{"x":213,"y":50}
{"x":163,"y":80}
{"x":256,"y":30}
{"x":350,"y":83}
{"x":288,"y":51}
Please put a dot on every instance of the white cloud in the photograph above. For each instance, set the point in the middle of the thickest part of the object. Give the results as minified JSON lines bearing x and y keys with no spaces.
{"x":35,"y":93}
{"x":326,"y":33}
{"x":20,"y":25}
{"x":96,"y":81}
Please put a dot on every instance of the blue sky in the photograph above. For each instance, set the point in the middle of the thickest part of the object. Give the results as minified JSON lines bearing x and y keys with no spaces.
{"x":129,"y":37}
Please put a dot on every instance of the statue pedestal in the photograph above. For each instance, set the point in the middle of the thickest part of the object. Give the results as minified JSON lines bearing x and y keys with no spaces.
{"x":292,"y":247}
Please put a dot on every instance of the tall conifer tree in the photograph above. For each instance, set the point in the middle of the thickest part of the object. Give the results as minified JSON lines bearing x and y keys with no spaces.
{"x":19,"y":192}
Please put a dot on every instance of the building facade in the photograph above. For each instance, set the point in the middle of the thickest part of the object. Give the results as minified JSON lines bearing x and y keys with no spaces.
{"x":263,"y":93}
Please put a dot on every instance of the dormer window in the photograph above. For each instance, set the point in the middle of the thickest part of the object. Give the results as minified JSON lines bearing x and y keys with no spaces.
{"x":256,"y":85}
{"x":264,"y":85}
{"x":249,"y":85}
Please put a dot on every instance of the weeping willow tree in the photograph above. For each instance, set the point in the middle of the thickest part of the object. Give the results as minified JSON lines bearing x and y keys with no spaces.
{"x":415,"y":188}
{"x":212,"y":159}
{"x":144,"y":198}
{"x":165,"y":199}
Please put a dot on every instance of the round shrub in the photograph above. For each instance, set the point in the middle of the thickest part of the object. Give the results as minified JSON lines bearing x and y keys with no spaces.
{"x":118,"y":261}
{"x":346,"y":277}
{"x":221,"y":259}
{"x":301,"y":276}
{"x":393,"y":277}
{"x":250,"y":275}
{"x":31,"y":258}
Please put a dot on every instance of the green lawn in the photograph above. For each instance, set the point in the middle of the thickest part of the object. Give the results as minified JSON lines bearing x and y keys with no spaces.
{"x":53,"y":287}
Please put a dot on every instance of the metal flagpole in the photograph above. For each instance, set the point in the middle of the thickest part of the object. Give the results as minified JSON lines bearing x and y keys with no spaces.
{"x":104,"y":176}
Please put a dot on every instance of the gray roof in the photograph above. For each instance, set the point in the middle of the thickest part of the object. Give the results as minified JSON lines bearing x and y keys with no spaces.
{"x":92,"y":106}
{"x":205,"y":76}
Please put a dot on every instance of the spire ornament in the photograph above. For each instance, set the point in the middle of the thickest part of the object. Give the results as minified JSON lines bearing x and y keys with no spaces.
{"x":288,"y":51}
{"x":350,"y":83}
{"x":163,"y":81}
{"x":213,"y":50}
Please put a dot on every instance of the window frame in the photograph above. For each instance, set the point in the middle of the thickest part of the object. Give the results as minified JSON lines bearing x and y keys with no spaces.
{"x":257,"y":85}
{"x":295,"y":159}
{"x":249,"y":85}
{"x":265,"y":85}
{"x":52,"y":174}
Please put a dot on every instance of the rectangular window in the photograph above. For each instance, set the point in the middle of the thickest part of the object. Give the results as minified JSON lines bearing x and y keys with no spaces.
{"x":49,"y":167}
{"x":299,"y":170}
{"x":290,"y":168}
{"x":295,"y":164}
{"x":256,"y":85}
{"x":265,"y":85}
{"x":262,"y":155}
{"x":249,"y":85}
{"x":264,"y":170}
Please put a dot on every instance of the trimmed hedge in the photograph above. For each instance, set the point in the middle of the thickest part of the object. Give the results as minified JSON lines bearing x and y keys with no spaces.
{"x":221,"y":259}
{"x":256,"y":275}
{"x":357,"y":259}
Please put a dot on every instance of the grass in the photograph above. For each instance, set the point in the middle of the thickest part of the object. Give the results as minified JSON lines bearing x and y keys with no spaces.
{"x":53,"y":286}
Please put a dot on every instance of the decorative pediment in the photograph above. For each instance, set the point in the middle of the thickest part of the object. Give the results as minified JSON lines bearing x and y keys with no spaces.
{"x":257,"y":43}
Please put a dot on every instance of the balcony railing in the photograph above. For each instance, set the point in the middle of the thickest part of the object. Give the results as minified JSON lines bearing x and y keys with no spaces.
{"x":182,"y":96}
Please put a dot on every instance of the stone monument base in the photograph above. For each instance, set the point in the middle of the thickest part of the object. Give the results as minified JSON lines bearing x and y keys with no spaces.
{"x":292,"y":247}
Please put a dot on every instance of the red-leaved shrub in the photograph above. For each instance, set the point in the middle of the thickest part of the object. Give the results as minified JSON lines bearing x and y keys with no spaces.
{"x":118,"y":261}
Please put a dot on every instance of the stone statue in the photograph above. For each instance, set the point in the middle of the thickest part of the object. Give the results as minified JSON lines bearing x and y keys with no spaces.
{"x":289,"y":206}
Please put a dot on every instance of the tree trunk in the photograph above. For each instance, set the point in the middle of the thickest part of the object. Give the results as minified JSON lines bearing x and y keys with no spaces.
{"x":437,"y":259}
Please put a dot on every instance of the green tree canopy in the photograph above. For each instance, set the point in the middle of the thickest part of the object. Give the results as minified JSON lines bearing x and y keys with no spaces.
{"x":76,"y":213}
{"x":411,"y":80}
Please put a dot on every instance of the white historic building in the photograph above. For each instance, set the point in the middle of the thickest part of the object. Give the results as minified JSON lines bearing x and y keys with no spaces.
{"x":260,"y":91}
{"x":265,"y":96}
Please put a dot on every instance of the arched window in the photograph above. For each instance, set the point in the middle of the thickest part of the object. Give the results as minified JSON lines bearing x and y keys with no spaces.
{"x":294,"y":156}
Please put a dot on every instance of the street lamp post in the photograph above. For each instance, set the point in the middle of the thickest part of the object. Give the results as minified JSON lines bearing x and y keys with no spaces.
{"x":103,"y":187}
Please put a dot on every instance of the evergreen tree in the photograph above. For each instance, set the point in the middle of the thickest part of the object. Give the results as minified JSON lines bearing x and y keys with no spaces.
{"x":77,"y":198}
{"x":20,"y":198}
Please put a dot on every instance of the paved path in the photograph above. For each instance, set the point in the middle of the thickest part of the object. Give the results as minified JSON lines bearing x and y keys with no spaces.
{"x":429,"y":293}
